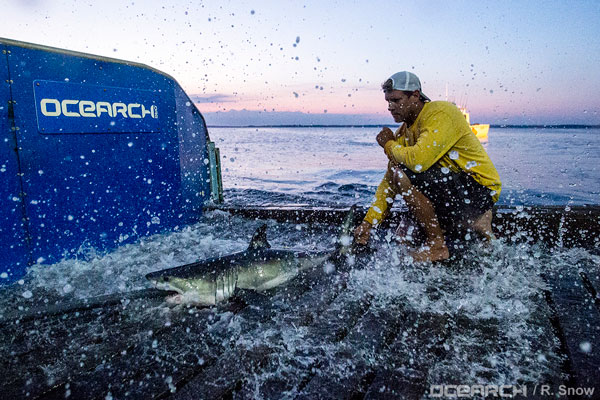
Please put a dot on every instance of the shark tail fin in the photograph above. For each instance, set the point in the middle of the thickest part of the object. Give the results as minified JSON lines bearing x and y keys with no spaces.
{"x":259,"y":240}
{"x":347,"y":230}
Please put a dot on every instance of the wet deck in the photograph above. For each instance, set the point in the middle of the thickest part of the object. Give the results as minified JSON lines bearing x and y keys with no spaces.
{"x":316,"y":337}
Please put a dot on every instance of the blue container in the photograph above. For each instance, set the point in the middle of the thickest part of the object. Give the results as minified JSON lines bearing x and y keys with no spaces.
{"x":94,"y":152}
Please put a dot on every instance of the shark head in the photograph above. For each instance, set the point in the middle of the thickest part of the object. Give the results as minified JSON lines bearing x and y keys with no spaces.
{"x":203,"y":289}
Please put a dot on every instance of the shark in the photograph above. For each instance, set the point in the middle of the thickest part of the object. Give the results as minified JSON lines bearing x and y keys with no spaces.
{"x":260,"y":267}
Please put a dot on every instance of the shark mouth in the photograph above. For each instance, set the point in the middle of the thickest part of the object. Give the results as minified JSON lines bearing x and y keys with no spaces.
{"x":167,"y":286}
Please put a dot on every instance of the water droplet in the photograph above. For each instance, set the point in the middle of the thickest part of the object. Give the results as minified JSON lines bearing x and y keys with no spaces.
{"x":27,"y":294}
{"x":445,"y":170}
{"x":453,"y":155}
{"x":418,"y":167}
{"x":586,"y":347}
{"x":345,"y":240}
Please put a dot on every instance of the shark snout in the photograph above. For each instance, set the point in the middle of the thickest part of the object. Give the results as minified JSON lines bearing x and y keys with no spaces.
{"x":156,"y":276}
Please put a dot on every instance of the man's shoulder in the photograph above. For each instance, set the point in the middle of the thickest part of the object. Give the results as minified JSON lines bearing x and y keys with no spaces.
{"x":434,"y":109}
{"x":440,"y":106}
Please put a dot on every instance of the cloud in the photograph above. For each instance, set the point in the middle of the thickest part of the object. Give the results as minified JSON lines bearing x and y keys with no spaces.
{"x":215,"y":98}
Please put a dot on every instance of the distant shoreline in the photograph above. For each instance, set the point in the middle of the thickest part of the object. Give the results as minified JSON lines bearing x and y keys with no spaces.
{"x":553,"y":126}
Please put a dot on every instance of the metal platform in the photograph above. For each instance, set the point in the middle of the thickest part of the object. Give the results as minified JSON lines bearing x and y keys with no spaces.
{"x":344,"y":344}
{"x":566,"y":226}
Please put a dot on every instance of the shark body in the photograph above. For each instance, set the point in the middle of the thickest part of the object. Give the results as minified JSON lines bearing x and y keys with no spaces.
{"x":258,"y":268}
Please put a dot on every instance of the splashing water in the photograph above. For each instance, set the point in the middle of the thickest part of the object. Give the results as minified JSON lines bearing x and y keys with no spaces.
{"x":488,"y":314}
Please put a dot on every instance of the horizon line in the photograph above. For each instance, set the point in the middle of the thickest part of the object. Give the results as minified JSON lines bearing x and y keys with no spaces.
{"x":514,"y":126}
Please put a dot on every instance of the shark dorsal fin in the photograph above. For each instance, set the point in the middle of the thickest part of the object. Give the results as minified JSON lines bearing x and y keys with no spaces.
{"x":259,"y":240}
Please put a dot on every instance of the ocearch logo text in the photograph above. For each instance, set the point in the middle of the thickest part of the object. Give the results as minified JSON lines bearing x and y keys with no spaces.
{"x":91,"y":109}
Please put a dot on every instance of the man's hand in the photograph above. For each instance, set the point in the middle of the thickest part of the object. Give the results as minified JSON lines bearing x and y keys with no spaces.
{"x":362,"y":233}
{"x":385,"y":136}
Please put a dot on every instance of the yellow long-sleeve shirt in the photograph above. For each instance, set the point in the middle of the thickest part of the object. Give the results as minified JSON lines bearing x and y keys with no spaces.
{"x":442,"y":137}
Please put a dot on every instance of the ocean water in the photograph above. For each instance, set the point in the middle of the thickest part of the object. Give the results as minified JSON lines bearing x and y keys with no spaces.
{"x":343,"y":166}
{"x":501,"y":287}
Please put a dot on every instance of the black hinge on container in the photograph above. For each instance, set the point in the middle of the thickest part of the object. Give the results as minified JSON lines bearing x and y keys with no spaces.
{"x":11,"y":110}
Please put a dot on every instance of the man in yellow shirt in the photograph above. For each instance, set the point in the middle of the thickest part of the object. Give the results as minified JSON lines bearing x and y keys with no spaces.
{"x":438,"y":166}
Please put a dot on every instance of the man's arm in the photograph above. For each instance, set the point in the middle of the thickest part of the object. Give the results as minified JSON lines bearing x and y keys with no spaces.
{"x":384,"y":197}
{"x":434,"y":141}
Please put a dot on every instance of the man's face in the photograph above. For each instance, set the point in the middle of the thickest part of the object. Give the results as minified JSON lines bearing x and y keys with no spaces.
{"x":401,"y":105}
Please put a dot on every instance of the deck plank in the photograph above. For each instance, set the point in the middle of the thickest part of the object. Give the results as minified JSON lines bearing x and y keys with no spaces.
{"x":579,"y":321}
{"x":227,"y":375}
{"x":65,"y":346}
{"x":375,"y":330}
{"x":409,"y":357}
{"x":328,"y":328}
{"x":126,"y":369}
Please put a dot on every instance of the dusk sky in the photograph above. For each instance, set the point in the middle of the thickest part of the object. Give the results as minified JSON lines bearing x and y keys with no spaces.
{"x":509,"y":62}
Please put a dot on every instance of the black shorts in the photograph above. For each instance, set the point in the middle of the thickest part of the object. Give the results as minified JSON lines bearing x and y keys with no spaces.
{"x":457,"y":198}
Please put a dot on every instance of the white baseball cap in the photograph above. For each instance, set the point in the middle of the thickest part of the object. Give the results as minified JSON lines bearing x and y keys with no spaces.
{"x":407,"y":81}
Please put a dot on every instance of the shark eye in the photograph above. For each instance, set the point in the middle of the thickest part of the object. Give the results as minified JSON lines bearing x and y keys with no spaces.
{"x":166,"y":279}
